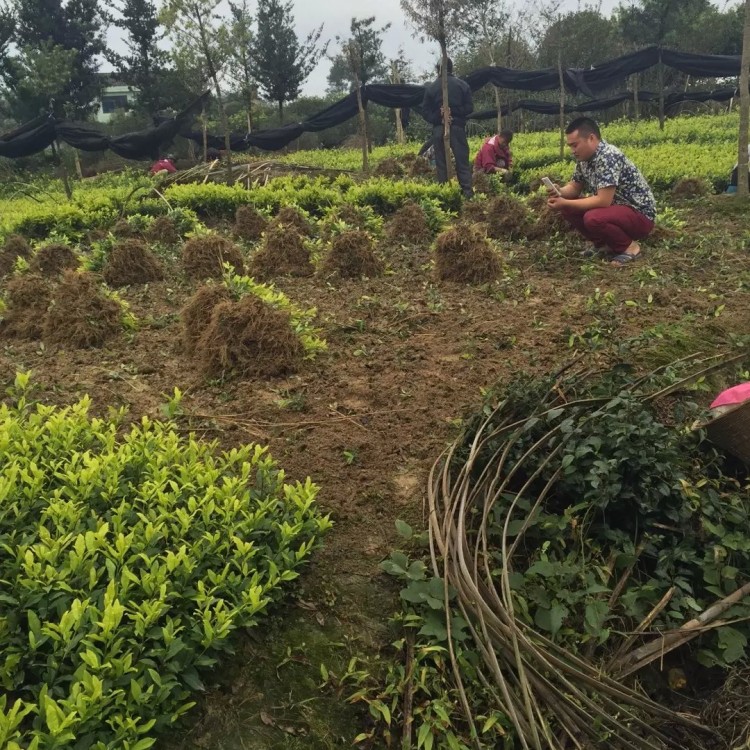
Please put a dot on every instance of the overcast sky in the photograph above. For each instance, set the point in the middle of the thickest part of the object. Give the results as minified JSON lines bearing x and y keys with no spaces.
{"x":336,"y":15}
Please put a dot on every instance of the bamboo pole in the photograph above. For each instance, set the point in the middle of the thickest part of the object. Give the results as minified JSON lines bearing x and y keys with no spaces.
{"x":562,"y":104}
{"x":742,"y":158}
{"x":660,"y":70}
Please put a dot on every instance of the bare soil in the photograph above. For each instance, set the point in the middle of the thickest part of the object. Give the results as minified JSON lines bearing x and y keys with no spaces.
{"x":408,"y":358}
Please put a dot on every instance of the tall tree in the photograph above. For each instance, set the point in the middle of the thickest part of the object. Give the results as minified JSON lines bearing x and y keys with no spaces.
{"x":665,"y":22}
{"x":196,"y":25}
{"x":484,"y":26}
{"x":439,"y":20}
{"x":580,"y":39}
{"x":143,"y":66}
{"x":8,"y":25}
{"x":77,"y":25}
{"x":37,"y":76}
{"x":241,"y":41}
{"x":370,"y":60}
{"x":283,"y":62}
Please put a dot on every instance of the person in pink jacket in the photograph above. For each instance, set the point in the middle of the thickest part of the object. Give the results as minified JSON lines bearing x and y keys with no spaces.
{"x":495,"y":155}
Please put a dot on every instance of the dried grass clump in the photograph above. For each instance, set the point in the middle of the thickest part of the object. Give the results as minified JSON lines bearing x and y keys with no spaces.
{"x":481,"y":182}
{"x":547,"y":222}
{"x":248,"y":338}
{"x":416,"y":166}
{"x":283,"y":254}
{"x":249,"y":223}
{"x":464,"y":254}
{"x":122,"y":228}
{"x":389,"y":167}
{"x":351,"y":256}
{"x":691,"y":187}
{"x":291,"y":216}
{"x":409,"y":226}
{"x":474,"y":212}
{"x":196,"y":315}
{"x":52,"y":260}
{"x":164,"y":231}
{"x":507,"y":218}
{"x":16,"y":245}
{"x":726,"y":710}
{"x":131,"y":262}
{"x":81,"y":315}
{"x":203,"y":257}
{"x":27,"y":298}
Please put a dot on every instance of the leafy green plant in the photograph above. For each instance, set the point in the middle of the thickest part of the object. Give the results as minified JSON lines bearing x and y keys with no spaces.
{"x":130,"y":557}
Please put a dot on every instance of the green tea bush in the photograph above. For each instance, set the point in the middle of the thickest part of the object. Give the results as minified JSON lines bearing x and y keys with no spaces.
{"x":129,"y":557}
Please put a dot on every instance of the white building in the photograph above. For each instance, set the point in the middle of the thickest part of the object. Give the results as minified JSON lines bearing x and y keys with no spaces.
{"x":115,"y":96}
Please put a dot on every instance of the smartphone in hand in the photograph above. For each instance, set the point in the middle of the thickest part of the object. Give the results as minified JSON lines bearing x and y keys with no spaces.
{"x":551,"y":186}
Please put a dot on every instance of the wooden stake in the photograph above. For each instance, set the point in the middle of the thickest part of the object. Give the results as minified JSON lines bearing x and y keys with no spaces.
{"x":742,"y":158}
{"x":352,"y":51}
{"x":562,"y":104}
{"x":396,"y":78}
{"x":660,"y":69}
{"x":62,"y":170}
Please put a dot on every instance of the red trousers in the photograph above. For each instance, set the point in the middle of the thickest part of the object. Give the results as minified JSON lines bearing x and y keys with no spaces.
{"x":614,"y":227}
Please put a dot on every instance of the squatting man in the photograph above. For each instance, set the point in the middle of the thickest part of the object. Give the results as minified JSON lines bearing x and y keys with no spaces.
{"x":619,"y":209}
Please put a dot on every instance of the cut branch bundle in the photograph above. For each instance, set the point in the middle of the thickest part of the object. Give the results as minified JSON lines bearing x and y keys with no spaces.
{"x":556,"y":699}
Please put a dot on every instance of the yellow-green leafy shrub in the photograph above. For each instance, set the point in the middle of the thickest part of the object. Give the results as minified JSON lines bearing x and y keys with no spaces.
{"x":129,"y":558}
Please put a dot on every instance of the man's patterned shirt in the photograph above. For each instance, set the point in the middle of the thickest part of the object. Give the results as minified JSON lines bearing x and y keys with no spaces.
{"x":609,"y":167}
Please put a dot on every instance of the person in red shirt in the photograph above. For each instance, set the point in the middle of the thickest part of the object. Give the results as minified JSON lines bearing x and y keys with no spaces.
{"x":163,"y":165}
{"x":495,"y":155}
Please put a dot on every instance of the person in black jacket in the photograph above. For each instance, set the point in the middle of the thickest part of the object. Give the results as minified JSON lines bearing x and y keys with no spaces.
{"x":461,"y":105}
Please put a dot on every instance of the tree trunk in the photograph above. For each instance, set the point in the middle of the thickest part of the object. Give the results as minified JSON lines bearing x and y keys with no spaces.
{"x":79,"y":169}
{"x":446,"y":107}
{"x":281,"y":111}
{"x":562,"y":105}
{"x":742,"y":158}
{"x":396,"y":78}
{"x":227,"y":135}
{"x":636,"y":106}
{"x":204,"y":127}
{"x":363,"y":128}
{"x":62,"y":170}
{"x":368,"y":129}
{"x":660,"y":70}
{"x":213,"y":73}
{"x":499,"y":109}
